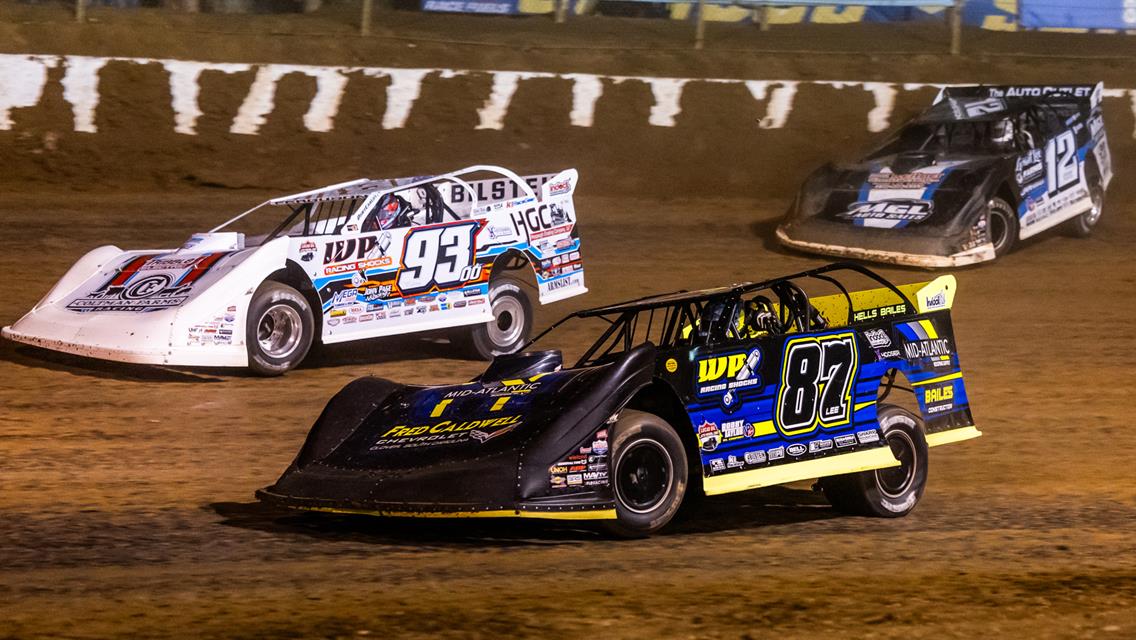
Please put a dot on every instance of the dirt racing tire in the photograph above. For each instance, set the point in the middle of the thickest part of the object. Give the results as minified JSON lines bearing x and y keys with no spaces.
{"x":649,"y":474}
{"x":1082,"y":225}
{"x":279,"y":329}
{"x":1001,"y":226}
{"x":892,"y":492}
{"x":508,"y":331}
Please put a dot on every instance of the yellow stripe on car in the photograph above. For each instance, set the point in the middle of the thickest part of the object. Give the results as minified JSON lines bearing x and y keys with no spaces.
{"x":878,"y":458}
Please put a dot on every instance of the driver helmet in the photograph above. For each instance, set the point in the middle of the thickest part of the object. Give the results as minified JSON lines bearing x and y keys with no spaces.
{"x":388,"y":211}
{"x":1003,"y":133}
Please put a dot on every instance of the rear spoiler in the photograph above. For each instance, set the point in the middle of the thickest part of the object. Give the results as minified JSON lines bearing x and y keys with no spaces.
{"x":1021,"y":94}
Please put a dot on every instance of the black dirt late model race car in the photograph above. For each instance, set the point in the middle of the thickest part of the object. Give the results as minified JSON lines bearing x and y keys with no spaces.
{"x":983,"y":167}
{"x":713,"y":391}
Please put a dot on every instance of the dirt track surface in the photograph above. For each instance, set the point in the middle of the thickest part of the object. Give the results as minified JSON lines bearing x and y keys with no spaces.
{"x":127,"y":505}
{"x":126,"y":502}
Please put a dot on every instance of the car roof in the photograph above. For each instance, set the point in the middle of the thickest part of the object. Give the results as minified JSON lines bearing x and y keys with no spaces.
{"x":681,"y":297}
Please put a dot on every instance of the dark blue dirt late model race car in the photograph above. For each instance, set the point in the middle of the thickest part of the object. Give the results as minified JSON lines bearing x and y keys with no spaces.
{"x":711,"y":391}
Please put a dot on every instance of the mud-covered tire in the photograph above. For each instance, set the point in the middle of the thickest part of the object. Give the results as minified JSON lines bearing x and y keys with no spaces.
{"x":1082,"y":225}
{"x":1001,"y":226}
{"x":510,"y":328}
{"x":892,"y":492}
{"x":649,"y":474}
{"x":279,"y":329}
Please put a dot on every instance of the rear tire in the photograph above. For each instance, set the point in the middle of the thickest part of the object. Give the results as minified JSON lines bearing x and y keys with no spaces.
{"x":510,"y":328}
{"x":649,"y":474}
{"x":279,"y":329}
{"x":1001,"y":226}
{"x":1082,"y":225}
{"x":892,"y":492}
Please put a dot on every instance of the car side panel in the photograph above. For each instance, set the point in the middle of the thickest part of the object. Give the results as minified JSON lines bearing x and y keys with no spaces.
{"x":797,"y":406}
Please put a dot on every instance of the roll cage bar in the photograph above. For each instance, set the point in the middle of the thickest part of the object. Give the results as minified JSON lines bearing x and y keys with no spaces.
{"x":684,"y":309}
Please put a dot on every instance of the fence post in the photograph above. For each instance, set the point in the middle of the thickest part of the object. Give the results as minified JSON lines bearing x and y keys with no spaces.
{"x":956,"y":27}
{"x":365,"y":20}
{"x":561,"y":10}
{"x":80,"y":10}
{"x":700,"y":26}
{"x":764,"y":17}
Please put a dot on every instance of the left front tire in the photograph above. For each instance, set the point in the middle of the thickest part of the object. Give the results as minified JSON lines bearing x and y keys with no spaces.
{"x":279,"y":329}
{"x":649,"y":474}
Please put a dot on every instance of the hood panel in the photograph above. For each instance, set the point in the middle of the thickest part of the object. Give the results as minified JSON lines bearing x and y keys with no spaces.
{"x":144,"y":282}
{"x":421,"y":426}
{"x":894,"y":192}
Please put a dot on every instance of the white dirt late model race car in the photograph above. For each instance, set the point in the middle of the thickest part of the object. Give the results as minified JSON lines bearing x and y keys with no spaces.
{"x":345,"y":262}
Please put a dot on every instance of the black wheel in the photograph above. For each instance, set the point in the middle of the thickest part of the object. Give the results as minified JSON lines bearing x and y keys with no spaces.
{"x":279,"y":330}
{"x":1001,"y":226}
{"x":1082,"y":225}
{"x":510,"y":328}
{"x":892,"y":492}
{"x":648,"y":474}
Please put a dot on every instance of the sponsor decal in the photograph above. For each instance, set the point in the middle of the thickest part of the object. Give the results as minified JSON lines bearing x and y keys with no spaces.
{"x":562,"y":283}
{"x":445,"y":432}
{"x":915,"y":180}
{"x":755,"y":457}
{"x":904,"y":210}
{"x":886,"y":311}
{"x":575,"y":479}
{"x":776,"y":453}
{"x":542,"y":221}
{"x":147,"y":283}
{"x":939,"y":399}
{"x":927,"y":348}
{"x":728,"y":374}
{"x":847,"y":440}
{"x":362,"y":248}
{"x":796,"y":449}
{"x":937,"y":301}
{"x":333,"y":322}
{"x":732,"y":462}
{"x":867,"y":436}
{"x":878,"y":338}
{"x":557,"y":188}
{"x":816,"y":446}
{"x":709,"y":436}
{"x":307,"y":250}
{"x":1029,"y":167}
{"x":717,"y":464}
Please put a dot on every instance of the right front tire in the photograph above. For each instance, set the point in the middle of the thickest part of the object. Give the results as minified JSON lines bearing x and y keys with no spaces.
{"x":1082,"y":226}
{"x":649,"y":474}
{"x":279,"y":329}
{"x":508,"y":331}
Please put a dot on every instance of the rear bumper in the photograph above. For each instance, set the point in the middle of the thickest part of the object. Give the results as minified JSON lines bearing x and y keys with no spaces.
{"x":890,"y":255}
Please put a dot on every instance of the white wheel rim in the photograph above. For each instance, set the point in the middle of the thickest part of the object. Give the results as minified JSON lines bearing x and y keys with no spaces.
{"x":278,"y":331}
{"x":508,"y":321}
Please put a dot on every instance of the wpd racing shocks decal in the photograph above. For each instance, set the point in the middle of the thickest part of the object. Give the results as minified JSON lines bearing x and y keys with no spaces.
{"x":728,"y":376}
{"x":816,"y":383}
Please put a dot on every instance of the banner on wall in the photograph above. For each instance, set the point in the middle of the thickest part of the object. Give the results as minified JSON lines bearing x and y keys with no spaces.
{"x":471,"y":6}
{"x":1079,"y":14}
